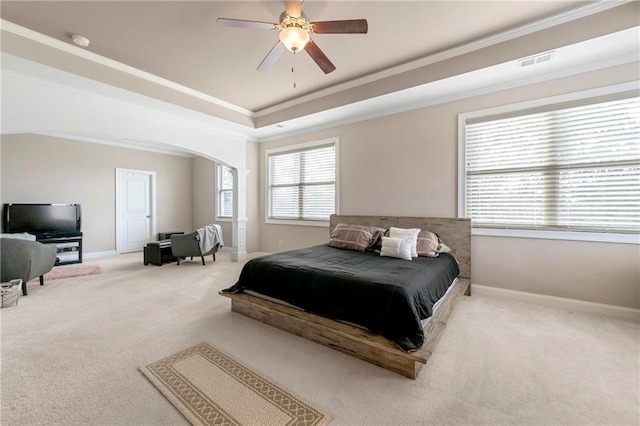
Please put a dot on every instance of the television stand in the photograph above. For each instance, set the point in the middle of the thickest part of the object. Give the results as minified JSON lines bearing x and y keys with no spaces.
{"x":69,"y":249}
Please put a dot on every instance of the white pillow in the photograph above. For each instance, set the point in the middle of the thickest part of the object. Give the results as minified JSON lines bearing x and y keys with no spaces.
{"x":406,"y":233}
{"x":396,"y":247}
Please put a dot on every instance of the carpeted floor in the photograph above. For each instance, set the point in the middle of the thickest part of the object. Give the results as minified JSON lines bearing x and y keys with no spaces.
{"x":70,"y":353}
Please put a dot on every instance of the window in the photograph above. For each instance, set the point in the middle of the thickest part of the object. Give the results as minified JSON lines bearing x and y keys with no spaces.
{"x":302,"y":183}
{"x":225,"y":192}
{"x":571,"y":170}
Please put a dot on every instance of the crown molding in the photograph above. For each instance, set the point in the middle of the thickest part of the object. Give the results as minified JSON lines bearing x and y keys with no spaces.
{"x":71,"y":113}
{"x":266,"y":134}
{"x":127,"y":144}
{"x":428,"y":101}
{"x":94,"y":91}
{"x":119,"y":66}
{"x":588,"y":10}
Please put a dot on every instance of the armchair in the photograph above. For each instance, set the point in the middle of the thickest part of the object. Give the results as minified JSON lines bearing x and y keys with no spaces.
{"x":208,"y":239}
{"x":25,"y":259}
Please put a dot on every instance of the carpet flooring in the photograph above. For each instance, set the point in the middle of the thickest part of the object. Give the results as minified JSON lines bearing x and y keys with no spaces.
{"x":71,"y":349}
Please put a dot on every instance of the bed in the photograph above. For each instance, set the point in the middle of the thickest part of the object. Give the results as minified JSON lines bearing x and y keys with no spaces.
{"x":395,"y":343}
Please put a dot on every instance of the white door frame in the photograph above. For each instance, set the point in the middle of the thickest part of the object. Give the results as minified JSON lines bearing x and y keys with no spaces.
{"x":152,"y":198}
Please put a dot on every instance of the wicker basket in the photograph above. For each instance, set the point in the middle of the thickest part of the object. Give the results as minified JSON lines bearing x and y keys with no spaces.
{"x":10,"y":293}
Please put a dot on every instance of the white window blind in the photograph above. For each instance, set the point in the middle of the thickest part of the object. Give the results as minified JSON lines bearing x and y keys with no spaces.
{"x":569,"y":169}
{"x":302,"y":183}
{"x":225,"y":192}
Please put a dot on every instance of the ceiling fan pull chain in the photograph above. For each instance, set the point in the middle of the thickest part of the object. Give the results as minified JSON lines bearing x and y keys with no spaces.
{"x":293,"y":70}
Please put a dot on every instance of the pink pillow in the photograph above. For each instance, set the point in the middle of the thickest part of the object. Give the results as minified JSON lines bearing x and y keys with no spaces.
{"x":353,"y":237}
{"x":427,"y":244}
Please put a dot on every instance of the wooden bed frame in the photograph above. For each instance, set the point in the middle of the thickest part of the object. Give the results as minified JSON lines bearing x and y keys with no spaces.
{"x":456,"y":233}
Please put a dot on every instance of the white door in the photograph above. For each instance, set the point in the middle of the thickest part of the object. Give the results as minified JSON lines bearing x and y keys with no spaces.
{"x":135,"y":209}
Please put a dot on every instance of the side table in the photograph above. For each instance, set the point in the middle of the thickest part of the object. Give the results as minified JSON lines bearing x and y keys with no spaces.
{"x":159,"y":252}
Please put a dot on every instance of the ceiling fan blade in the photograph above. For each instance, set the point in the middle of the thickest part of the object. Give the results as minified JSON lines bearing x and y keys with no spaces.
{"x":319,"y":57}
{"x":351,"y":26}
{"x":240,"y":23}
{"x":293,"y":8}
{"x":272,"y":56}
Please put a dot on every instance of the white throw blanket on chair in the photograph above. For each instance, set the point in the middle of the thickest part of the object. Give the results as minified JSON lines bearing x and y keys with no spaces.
{"x":209,"y":237}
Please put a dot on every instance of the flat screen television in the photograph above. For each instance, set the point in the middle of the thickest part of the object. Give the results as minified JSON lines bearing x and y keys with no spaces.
{"x":43,"y":220}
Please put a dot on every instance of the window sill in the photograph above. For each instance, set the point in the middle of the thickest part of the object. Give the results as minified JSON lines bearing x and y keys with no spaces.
{"x":559,"y":235}
{"x":224,"y":219}
{"x":318,"y":223}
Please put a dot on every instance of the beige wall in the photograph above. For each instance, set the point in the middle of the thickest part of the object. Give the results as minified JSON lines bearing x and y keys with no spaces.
{"x":204,"y":194}
{"x":41,"y":169}
{"x":204,"y":198}
{"x":406,"y":165}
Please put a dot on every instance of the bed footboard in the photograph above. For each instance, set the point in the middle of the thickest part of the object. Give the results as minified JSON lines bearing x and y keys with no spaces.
{"x":348,"y":339}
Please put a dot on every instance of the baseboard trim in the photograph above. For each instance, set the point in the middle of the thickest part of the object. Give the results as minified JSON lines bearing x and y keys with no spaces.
{"x":621,"y":312}
{"x":98,"y":254}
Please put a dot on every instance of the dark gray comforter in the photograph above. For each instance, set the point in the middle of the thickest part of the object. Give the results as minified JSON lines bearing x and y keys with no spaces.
{"x":389,"y":296}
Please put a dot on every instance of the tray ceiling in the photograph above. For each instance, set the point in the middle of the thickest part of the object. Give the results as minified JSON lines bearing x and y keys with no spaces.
{"x":180,"y":41}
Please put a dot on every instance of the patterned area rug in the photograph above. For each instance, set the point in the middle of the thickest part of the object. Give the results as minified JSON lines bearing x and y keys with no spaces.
{"x":70,"y":271}
{"x":210,"y":388}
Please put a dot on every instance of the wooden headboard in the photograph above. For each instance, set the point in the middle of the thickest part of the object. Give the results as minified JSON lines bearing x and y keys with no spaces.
{"x":455,"y":233}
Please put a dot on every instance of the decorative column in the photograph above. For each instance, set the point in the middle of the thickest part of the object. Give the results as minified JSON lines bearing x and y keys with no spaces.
{"x":239,"y":249}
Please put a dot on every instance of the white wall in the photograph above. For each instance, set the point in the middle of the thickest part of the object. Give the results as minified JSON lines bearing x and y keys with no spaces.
{"x":35,"y":105}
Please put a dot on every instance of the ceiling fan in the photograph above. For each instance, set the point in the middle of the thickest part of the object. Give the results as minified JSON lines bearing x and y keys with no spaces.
{"x":295,"y":34}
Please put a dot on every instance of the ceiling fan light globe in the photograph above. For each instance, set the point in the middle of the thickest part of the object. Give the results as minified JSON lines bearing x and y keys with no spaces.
{"x":294,"y":38}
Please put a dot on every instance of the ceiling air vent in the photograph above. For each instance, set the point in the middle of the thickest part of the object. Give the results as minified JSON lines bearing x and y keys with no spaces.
{"x":537,"y":59}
